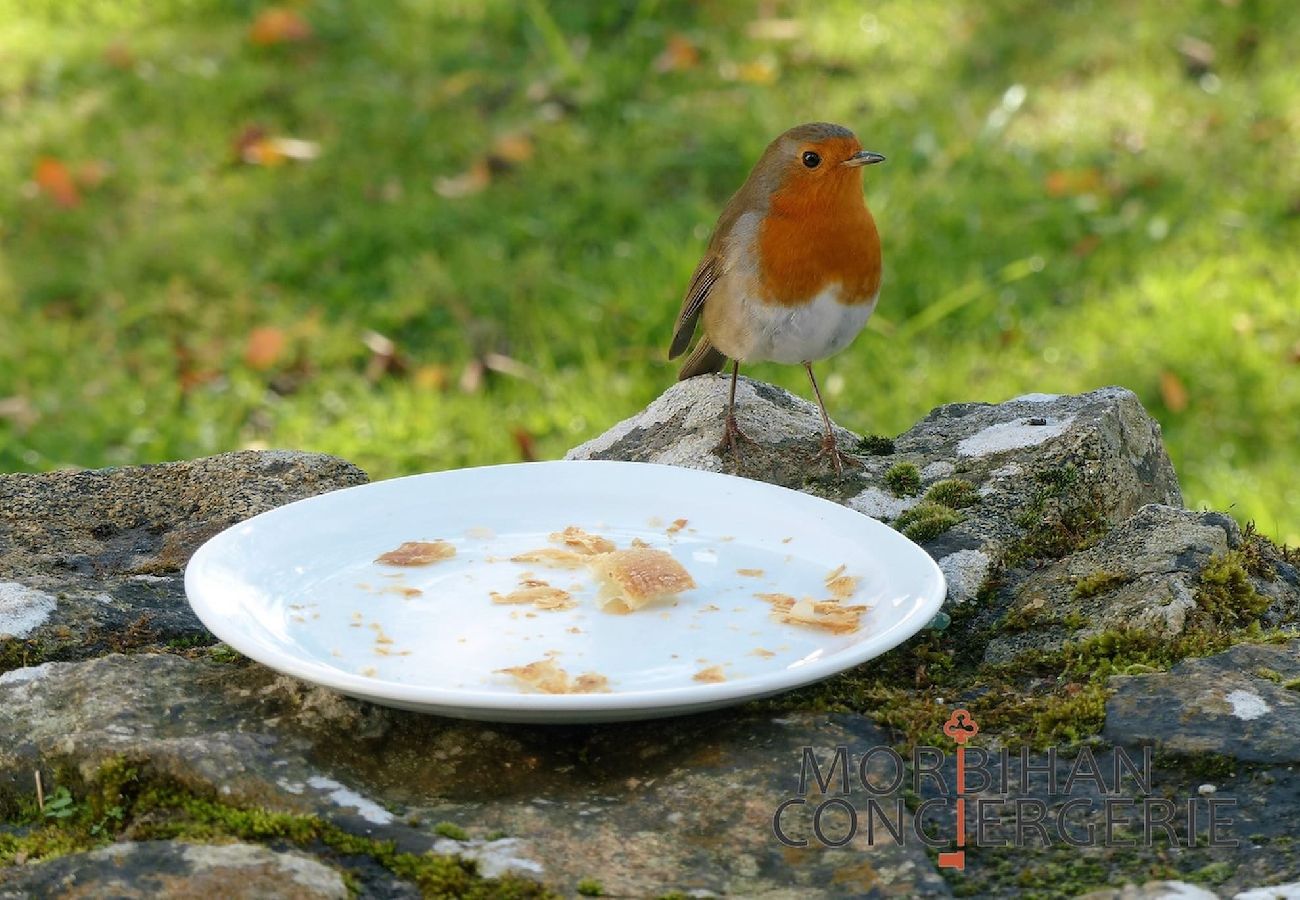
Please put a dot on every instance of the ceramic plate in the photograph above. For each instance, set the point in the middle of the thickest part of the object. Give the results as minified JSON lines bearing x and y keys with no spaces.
{"x":299,"y":589}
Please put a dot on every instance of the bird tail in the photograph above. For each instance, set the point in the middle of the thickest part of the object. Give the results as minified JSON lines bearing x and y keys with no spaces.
{"x":704,"y":360}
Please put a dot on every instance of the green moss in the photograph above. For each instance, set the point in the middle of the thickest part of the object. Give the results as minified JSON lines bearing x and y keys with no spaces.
{"x":1268,"y":674}
{"x":1025,"y":616}
{"x":1224,"y":592}
{"x":118,"y":797}
{"x":1060,"y":518}
{"x":1098,"y":582}
{"x":590,"y":887}
{"x":1292,"y":685}
{"x":451,"y":830}
{"x":1212,"y":873}
{"x":877,"y":445}
{"x":903,"y":479}
{"x":957,"y":493}
{"x":926,"y":520}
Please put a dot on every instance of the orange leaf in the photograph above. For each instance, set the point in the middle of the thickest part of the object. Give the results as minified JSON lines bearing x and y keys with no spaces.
{"x":1173,"y":391}
{"x":513,"y":149}
{"x":278,"y":25}
{"x":53,"y":177}
{"x":679,"y":54}
{"x":524,"y":442}
{"x":265,"y":344}
{"x":1072,"y":182}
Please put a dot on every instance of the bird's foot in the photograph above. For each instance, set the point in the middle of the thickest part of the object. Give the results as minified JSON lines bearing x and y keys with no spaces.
{"x":732,"y":438}
{"x":838,"y":458}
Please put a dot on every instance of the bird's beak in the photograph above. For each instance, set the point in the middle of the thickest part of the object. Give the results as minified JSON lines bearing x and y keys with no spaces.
{"x":863,"y":158}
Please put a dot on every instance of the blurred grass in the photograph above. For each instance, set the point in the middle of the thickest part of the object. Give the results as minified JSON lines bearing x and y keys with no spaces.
{"x":1076,"y":195}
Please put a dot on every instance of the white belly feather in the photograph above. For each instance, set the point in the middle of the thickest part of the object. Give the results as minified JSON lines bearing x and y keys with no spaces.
{"x":806,"y":333}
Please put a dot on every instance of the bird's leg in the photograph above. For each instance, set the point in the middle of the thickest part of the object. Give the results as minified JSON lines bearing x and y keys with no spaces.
{"x":829,"y":447}
{"x":731,"y":433}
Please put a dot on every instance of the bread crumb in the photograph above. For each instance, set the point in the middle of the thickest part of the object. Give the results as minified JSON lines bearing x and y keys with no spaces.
{"x":759,"y":651}
{"x":632,"y":578}
{"x":711,"y":675}
{"x":678,"y":525}
{"x":538,"y":593}
{"x":841,"y":586}
{"x":417,"y":553}
{"x":370,"y":671}
{"x":750,"y":573}
{"x":574,"y":630}
{"x":552,"y":557}
{"x":582,"y":542}
{"x":548,"y":678}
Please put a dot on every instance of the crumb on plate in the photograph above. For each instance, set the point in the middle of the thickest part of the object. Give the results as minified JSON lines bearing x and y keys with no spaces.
{"x":417,"y":553}
{"x":630,"y":579}
{"x":548,"y":678}
{"x":711,"y":675}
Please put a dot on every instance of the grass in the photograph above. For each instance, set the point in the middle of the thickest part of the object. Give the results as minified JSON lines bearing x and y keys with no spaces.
{"x":1069,"y":202}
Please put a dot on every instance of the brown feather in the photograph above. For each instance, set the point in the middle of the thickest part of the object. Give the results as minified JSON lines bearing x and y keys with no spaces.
{"x":704,"y":359}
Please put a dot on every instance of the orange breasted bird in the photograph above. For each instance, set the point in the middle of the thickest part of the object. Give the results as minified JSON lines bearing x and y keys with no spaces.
{"x":792,"y":271}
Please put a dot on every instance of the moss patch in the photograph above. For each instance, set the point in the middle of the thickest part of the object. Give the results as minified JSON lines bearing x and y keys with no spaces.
{"x":877,"y":445}
{"x":927,"y":520}
{"x":1062,"y":516}
{"x":1224,"y":592}
{"x":957,"y":493}
{"x":903,"y":479}
{"x":122,"y":799}
{"x":1095,"y":583}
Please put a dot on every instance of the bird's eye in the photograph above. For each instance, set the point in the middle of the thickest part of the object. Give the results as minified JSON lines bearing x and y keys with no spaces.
{"x":811,"y":160}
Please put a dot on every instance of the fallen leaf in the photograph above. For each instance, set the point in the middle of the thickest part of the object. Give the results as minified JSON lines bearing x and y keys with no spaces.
{"x":278,"y":25}
{"x":1197,"y":55}
{"x":257,"y":148}
{"x":53,"y":177}
{"x":679,"y":54}
{"x":759,"y":71}
{"x":1085,"y":245}
{"x":384,"y":356}
{"x":505,"y":365}
{"x":469,"y":182}
{"x":524,"y":442}
{"x":1173,"y":392}
{"x":1072,"y":182}
{"x":119,"y":56}
{"x":264,"y":347}
{"x":511,"y":150}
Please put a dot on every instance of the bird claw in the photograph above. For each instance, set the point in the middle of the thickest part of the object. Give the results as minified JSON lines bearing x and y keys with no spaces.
{"x":838,"y":458}
{"x":732,"y":437}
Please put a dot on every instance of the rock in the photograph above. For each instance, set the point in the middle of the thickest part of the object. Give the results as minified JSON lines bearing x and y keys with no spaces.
{"x":1069,"y":502}
{"x":176,"y":869}
{"x":684,"y":425}
{"x":1142,"y":575}
{"x":90,"y":562}
{"x":1089,"y":460}
{"x":575,"y":802}
{"x":1235,"y":704}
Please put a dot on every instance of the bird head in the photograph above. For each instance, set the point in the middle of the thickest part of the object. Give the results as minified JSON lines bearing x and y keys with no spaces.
{"x":813,"y":162}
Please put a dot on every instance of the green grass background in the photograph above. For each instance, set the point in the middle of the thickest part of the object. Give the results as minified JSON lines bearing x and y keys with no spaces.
{"x":1069,"y":202}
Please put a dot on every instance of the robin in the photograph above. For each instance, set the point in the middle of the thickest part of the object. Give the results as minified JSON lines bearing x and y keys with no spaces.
{"x":792,"y":271}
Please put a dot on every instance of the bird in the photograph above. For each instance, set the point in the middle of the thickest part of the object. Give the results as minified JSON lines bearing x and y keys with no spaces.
{"x":791,"y":273}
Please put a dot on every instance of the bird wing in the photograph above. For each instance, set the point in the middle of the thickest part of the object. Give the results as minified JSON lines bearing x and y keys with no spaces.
{"x":706,"y":275}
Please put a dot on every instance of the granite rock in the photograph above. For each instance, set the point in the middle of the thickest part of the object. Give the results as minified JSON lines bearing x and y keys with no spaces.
{"x":148,"y":869}
{"x":1243,"y":703}
{"x":91,"y":561}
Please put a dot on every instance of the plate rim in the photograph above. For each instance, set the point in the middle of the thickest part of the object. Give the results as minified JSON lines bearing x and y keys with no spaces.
{"x":686,"y":697}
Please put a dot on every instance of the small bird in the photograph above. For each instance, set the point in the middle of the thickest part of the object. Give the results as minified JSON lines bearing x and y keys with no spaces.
{"x":792,"y":271}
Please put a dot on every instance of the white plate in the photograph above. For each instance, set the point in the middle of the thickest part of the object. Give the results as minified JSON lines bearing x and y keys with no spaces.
{"x":286,"y":588}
